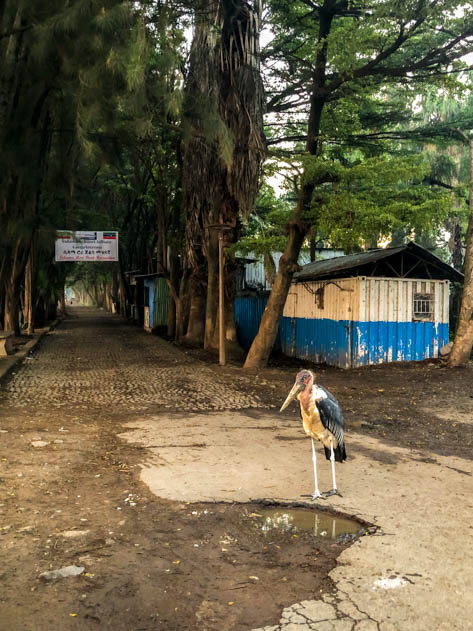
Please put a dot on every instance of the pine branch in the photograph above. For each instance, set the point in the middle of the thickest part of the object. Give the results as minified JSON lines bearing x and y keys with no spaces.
{"x":276,"y":141}
{"x":15,"y":31}
{"x":435,"y":182}
{"x":312,"y":5}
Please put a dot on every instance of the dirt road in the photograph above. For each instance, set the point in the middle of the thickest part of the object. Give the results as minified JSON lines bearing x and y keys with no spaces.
{"x":141,"y":464}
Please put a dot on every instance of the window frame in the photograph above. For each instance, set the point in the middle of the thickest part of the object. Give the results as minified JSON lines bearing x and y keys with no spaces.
{"x":419,"y":312}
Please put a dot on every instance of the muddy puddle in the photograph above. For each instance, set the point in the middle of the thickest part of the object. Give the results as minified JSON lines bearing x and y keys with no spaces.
{"x":300,"y":520}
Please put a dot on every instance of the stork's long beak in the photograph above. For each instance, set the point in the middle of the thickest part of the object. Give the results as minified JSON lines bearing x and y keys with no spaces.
{"x":296,"y":388}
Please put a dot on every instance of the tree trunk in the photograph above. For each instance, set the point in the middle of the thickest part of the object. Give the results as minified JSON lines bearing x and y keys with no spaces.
{"x":463,"y":343}
{"x":107,"y":299}
{"x":211,"y":313}
{"x":174,"y":298}
{"x":12,"y":289}
{"x":312,"y":246}
{"x":95,"y":294}
{"x":51,"y":311}
{"x":263,"y":343}
{"x":40,"y":312}
{"x":233,"y":347}
{"x":230,"y":324}
{"x":62,"y":301}
{"x":29,"y":298}
{"x":224,"y":152}
{"x":123,"y":296}
{"x":457,"y":257}
{"x":172,"y":310}
{"x":11,"y":321}
{"x":195,"y":327}
{"x":182,"y":311}
{"x":230,"y":286}
{"x":115,"y":292}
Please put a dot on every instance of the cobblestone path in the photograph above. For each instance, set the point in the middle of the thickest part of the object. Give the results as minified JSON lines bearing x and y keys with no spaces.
{"x":95,"y":359}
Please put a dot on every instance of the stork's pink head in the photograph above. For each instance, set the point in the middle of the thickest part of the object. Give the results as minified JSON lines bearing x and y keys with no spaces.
{"x":304,"y":379}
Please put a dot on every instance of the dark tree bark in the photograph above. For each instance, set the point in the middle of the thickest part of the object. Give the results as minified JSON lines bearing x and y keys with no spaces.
{"x":12,"y":287}
{"x":224,"y":147}
{"x":12,"y":298}
{"x":29,"y":293}
{"x":463,"y":343}
{"x":174,"y":299}
{"x":195,"y":324}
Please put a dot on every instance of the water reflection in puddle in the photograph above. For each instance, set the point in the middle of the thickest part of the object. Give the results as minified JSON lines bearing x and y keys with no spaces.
{"x":293,"y":520}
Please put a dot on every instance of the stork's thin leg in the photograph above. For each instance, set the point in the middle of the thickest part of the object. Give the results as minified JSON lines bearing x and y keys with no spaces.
{"x":316,"y":493}
{"x":332,"y":460}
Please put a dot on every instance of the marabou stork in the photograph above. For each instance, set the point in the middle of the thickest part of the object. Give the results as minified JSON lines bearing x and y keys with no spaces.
{"x":322,"y":420}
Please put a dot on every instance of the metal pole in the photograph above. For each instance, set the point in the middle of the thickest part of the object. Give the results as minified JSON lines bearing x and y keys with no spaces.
{"x":221,"y":302}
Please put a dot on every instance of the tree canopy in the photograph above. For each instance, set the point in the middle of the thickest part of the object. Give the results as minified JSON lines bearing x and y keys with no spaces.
{"x":147,"y":118}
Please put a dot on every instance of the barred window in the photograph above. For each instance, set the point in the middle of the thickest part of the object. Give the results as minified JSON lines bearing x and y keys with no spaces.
{"x":423,"y":307}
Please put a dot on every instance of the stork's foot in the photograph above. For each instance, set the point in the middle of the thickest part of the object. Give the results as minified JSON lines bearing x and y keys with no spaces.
{"x":316,"y":495}
{"x":332,"y":492}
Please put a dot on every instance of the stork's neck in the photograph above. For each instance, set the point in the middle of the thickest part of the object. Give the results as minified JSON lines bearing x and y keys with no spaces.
{"x":305,"y":396}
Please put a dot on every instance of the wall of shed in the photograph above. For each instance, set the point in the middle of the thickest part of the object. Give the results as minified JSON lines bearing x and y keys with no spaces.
{"x":317,"y":327}
{"x":384,"y":329}
{"x":363,"y":321}
{"x":161,"y":302}
{"x":150,"y":284}
{"x":158,"y":301}
{"x":248,"y":313}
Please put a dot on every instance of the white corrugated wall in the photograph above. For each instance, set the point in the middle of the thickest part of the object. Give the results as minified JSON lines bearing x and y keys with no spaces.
{"x":391,"y":299}
{"x":339,"y":299}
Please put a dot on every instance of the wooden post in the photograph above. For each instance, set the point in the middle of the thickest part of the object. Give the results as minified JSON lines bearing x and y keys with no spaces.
{"x":221,"y":301}
{"x":221,"y":227}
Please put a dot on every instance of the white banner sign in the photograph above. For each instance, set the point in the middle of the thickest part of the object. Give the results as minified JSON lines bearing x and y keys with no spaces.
{"x":86,"y":246}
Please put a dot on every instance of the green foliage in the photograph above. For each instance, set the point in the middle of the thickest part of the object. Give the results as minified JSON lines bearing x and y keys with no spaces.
{"x":367,"y":67}
{"x":375,"y":197}
{"x":91,"y":142}
{"x":93,"y":115}
{"x":264,"y":232}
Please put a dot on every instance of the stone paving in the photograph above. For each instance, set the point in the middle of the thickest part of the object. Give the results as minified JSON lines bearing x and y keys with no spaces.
{"x":94,"y":360}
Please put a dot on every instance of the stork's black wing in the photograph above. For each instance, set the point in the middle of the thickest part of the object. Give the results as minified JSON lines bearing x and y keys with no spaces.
{"x":332,"y":419}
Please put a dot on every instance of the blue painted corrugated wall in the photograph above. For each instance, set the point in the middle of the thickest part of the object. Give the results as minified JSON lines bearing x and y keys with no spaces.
{"x":150,"y":284}
{"x":158,"y":301}
{"x":321,"y":340}
{"x":341,"y":342}
{"x":248,"y":313}
{"x":379,"y":342}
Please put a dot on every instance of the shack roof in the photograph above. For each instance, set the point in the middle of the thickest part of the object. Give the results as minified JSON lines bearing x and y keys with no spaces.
{"x":404,"y":261}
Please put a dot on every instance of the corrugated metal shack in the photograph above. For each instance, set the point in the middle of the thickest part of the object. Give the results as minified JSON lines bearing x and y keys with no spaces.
{"x":155,"y":301}
{"x":370,"y":308}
